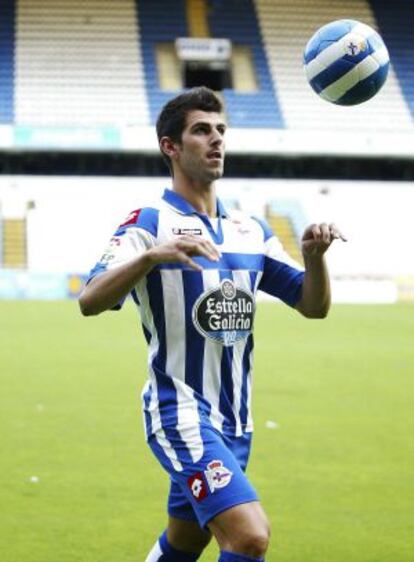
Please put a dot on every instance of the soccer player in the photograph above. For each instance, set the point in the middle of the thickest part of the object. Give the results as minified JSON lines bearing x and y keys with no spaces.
{"x":194,"y":270}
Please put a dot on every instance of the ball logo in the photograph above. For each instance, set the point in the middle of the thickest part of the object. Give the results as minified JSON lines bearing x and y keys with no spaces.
{"x":225,"y":313}
{"x":346,"y":62}
{"x":354,"y":45}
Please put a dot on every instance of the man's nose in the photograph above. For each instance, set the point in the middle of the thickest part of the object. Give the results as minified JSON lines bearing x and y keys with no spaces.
{"x":216,"y":138}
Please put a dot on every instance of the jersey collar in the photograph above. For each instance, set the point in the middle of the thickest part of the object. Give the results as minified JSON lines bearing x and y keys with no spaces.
{"x":183,"y":206}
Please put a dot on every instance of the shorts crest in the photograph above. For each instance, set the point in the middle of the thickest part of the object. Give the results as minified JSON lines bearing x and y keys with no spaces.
{"x":217,"y":475}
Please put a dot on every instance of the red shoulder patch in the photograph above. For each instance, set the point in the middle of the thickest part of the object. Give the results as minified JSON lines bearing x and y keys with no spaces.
{"x":131,"y":218}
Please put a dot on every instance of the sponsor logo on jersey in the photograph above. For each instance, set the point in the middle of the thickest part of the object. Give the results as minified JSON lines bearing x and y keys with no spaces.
{"x":131,"y":218}
{"x":242,"y":229}
{"x":198,"y":486}
{"x":187,"y":231}
{"x":108,"y":254}
{"x":224,"y":313}
{"x":217,"y":475}
{"x":115,"y":241}
{"x":107,"y":257}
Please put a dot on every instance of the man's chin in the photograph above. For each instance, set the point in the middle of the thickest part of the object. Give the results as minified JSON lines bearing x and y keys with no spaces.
{"x":209,"y":175}
{"x":215,"y":174}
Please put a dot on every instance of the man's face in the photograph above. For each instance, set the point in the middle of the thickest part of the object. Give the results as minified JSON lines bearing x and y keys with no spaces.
{"x":201,"y":150}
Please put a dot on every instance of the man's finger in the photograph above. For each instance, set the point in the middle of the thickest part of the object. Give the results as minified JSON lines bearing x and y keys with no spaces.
{"x":211,"y":248}
{"x":336,"y":233}
{"x":316,"y":232}
{"x":196,"y":248}
{"x":184,"y":258}
{"x":192,"y":239}
{"x":325,"y":233}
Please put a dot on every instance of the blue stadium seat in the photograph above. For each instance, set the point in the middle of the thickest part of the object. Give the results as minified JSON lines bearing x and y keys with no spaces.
{"x":7,"y":39}
{"x":396,"y":22}
{"x":261,"y":108}
{"x":158,"y":23}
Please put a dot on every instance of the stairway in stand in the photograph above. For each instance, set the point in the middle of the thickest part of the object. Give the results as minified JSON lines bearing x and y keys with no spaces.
{"x":282,"y":226}
{"x":14,"y":244}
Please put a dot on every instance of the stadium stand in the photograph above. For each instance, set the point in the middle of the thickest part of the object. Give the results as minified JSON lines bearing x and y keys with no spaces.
{"x":285,"y":35}
{"x":288,"y":220}
{"x":7,"y":39}
{"x":349,"y":204}
{"x":158,"y":25}
{"x":197,"y":18}
{"x":396,"y":21}
{"x":255,"y":109}
{"x":282,"y":226}
{"x":96,"y":63}
{"x":78,"y":64}
{"x":14,"y":243}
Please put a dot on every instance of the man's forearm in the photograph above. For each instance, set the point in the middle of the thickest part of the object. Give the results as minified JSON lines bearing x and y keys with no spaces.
{"x":316,"y":289}
{"x":107,"y":289}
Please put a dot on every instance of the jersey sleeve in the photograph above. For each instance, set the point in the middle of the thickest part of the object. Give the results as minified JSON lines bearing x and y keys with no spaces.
{"x":132,"y":238}
{"x":282,"y":276}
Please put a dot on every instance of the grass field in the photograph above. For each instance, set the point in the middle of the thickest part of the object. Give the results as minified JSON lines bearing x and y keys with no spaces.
{"x":336,"y":475}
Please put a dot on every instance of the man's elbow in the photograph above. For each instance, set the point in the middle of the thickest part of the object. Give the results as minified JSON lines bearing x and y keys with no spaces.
{"x":317,"y":313}
{"x":86,"y":306}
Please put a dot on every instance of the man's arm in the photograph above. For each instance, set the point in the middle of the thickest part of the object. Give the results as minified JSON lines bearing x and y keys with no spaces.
{"x":106,"y":290}
{"x":316,"y":290}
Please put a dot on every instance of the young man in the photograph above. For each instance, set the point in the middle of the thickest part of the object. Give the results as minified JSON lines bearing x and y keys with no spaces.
{"x":194,"y":271}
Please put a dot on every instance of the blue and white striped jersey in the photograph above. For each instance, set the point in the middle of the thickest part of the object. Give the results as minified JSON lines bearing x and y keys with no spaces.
{"x":198,"y":325}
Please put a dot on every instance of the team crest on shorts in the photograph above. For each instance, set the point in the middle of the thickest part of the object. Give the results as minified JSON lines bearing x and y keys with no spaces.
{"x":217,"y":475}
{"x":224,"y":313}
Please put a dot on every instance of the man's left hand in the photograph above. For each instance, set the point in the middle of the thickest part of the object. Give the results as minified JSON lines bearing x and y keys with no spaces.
{"x":318,"y":237}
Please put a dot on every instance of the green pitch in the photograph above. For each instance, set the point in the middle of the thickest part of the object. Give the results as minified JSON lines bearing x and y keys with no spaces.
{"x":334,"y":467}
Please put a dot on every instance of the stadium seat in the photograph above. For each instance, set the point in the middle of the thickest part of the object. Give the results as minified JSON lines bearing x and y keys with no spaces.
{"x":7,"y":48}
{"x":285,"y":36}
{"x":396,"y":21}
{"x":79,"y":64}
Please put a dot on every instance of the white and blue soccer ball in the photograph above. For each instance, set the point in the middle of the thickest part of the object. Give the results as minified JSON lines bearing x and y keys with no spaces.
{"x":346,"y":62}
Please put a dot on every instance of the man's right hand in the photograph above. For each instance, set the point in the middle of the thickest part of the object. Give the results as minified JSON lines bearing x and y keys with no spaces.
{"x":182,"y":249}
{"x":109,"y":288}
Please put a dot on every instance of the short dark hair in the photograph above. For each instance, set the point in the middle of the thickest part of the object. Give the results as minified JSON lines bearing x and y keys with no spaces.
{"x":172,"y":118}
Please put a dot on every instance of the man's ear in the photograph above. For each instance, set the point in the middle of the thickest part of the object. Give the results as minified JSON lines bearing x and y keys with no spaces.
{"x":168,"y":147}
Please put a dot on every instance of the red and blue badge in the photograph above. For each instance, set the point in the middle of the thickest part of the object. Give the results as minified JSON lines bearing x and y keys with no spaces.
{"x":198,"y":486}
{"x":131,"y":218}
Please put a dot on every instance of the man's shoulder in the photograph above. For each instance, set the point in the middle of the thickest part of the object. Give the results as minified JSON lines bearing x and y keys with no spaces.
{"x":145,"y":218}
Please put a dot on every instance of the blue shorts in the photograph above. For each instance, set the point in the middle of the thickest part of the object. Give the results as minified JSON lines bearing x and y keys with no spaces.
{"x":206,"y":470}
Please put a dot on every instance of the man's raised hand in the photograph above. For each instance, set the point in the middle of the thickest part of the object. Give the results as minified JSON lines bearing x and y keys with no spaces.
{"x":318,"y":237}
{"x":182,"y":249}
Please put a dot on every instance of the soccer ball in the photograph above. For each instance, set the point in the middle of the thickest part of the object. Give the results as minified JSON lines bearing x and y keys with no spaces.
{"x":346,"y":62}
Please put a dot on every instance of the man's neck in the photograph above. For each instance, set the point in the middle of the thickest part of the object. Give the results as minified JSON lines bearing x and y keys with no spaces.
{"x":202,"y":198}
